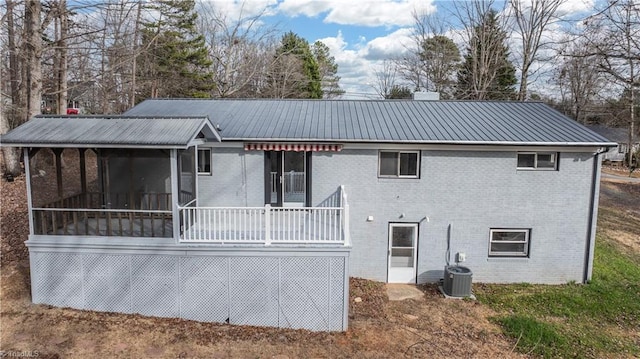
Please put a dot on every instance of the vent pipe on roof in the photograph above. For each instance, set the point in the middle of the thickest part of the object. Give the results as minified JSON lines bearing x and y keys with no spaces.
{"x":426,"y":96}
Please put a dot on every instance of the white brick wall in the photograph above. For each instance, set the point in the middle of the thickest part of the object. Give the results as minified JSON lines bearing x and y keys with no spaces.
{"x":237,"y":179}
{"x":473,"y":191}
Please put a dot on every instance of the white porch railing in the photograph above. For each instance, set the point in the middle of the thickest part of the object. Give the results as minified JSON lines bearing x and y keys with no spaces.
{"x":267,"y":225}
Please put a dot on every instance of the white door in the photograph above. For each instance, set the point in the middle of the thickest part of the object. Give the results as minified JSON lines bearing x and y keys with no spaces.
{"x":403,"y":241}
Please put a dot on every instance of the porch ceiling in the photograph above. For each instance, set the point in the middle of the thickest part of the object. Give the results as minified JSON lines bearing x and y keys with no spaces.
{"x":111,"y":131}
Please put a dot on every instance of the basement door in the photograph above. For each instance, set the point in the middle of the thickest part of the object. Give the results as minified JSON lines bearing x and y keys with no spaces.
{"x":403,"y":242}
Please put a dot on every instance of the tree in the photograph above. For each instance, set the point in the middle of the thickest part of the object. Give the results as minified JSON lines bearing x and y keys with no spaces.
{"x":176,"y":63}
{"x":415,"y":66}
{"x":399,"y":93}
{"x":10,"y":154}
{"x":532,"y":18}
{"x":441,"y":58}
{"x":295,"y":72}
{"x":614,"y":34}
{"x":486,"y":73}
{"x":385,"y":79}
{"x":241,"y":50}
{"x":578,"y":79}
{"x":328,"y":70}
{"x":33,"y":31}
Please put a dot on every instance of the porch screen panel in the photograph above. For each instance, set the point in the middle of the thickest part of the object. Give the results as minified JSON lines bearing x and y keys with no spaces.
{"x":137,"y":179}
{"x":187,"y":175}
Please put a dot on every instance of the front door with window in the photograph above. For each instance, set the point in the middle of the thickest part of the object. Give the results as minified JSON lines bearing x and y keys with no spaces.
{"x":403,"y":243}
{"x":287,"y":178}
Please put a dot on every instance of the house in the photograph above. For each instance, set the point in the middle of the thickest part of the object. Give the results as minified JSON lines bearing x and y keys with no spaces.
{"x":618,"y":153}
{"x":257,"y":211}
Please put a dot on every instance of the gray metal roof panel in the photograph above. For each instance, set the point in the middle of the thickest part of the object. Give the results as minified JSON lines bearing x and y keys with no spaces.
{"x":107,"y":131}
{"x":620,"y":135}
{"x":381,"y":121}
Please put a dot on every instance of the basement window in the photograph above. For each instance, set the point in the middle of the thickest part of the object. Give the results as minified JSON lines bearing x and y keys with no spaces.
{"x":538,"y":161}
{"x":204,"y":161}
{"x":399,"y":164}
{"x":509,"y":242}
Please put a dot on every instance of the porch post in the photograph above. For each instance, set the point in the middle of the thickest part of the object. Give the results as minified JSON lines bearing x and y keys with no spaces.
{"x":27,"y":173}
{"x":175,"y":195}
{"x":83,"y":171}
{"x":58,"y":154}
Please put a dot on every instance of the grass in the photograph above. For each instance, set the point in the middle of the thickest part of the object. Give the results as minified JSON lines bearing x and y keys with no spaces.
{"x":573,"y":320}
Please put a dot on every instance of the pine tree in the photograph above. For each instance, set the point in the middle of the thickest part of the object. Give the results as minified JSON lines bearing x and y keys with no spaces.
{"x":441,"y":58}
{"x":295,"y":73}
{"x":176,"y":63}
{"x":487,"y":73}
{"x":328,"y":70}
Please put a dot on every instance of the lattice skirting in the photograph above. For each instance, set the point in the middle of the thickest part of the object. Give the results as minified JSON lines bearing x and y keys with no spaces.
{"x":282,"y":289}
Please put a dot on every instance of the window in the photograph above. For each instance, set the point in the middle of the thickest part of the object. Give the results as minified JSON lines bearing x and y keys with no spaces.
{"x":509,"y":243}
{"x":538,"y":160}
{"x":622,"y":148}
{"x":399,"y":164}
{"x":204,"y":161}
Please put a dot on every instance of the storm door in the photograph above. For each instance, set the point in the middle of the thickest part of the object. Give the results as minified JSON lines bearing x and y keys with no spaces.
{"x":403,"y":244}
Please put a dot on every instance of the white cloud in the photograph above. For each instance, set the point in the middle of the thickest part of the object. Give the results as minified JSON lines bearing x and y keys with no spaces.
{"x":391,"y":46}
{"x":359,"y":12}
{"x":357,"y":65}
{"x":569,"y":7}
{"x":237,"y":9}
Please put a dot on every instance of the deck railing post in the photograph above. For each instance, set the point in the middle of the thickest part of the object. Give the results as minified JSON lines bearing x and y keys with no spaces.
{"x":345,"y":226}
{"x":345,"y":217}
{"x":267,"y":224}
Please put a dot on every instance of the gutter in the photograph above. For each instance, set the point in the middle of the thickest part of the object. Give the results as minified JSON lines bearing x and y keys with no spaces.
{"x":592,"y":219}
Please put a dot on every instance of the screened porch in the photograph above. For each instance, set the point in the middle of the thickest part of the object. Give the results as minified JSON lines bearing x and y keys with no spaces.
{"x":106,"y":192}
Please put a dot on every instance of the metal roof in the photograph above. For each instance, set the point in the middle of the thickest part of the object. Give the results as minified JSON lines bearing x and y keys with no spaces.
{"x":620,"y":135}
{"x":109,"y":131}
{"x":438,"y":122}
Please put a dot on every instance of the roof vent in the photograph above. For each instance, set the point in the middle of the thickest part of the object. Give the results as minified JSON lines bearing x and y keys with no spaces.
{"x":426,"y":96}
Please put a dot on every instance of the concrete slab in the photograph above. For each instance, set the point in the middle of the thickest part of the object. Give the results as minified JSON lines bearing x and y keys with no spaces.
{"x":397,"y":291}
{"x":472,"y":296}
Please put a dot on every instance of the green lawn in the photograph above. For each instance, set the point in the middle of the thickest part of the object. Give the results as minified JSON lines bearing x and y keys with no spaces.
{"x":574,"y":320}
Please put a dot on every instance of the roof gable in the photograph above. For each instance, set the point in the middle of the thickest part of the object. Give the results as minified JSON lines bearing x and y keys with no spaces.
{"x":110,"y":131}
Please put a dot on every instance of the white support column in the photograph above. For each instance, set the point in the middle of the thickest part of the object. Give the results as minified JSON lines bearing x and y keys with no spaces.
{"x":195,"y":174}
{"x":175,"y":195}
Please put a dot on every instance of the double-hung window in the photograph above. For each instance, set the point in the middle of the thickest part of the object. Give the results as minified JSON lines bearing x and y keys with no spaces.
{"x":399,"y":164}
{"x":538,"y":161}
{"x":509,"y":242}
{"x":204,"y":161}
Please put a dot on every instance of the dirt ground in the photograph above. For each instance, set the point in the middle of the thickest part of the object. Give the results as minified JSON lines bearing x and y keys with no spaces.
{"x":378,"y":328}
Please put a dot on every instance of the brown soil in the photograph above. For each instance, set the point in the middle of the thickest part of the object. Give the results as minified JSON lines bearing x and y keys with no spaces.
{"x":378,"y":328}
{"x":619,"y":213}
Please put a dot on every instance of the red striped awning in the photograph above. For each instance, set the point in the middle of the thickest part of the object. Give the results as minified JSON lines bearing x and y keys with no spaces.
{"x":298,"y":147}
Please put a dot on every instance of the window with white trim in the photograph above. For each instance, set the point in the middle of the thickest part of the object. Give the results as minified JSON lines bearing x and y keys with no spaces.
{"x":537,"y":161}
{"x":509,"y":242}
{"x":204,"y":161}
{"x":399,"y":164}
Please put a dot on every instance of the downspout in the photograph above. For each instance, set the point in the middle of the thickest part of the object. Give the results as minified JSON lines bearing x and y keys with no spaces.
{"x":592,"y":200}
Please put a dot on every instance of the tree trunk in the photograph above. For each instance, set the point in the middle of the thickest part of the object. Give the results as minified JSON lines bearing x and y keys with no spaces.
{"x":61,"y":71}
{"x":10,"y":154}
{"x":33,"y":52}
{"x":134,"y":62}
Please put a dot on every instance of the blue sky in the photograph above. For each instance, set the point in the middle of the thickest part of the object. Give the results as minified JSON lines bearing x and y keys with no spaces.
{"x":360,"y":33}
